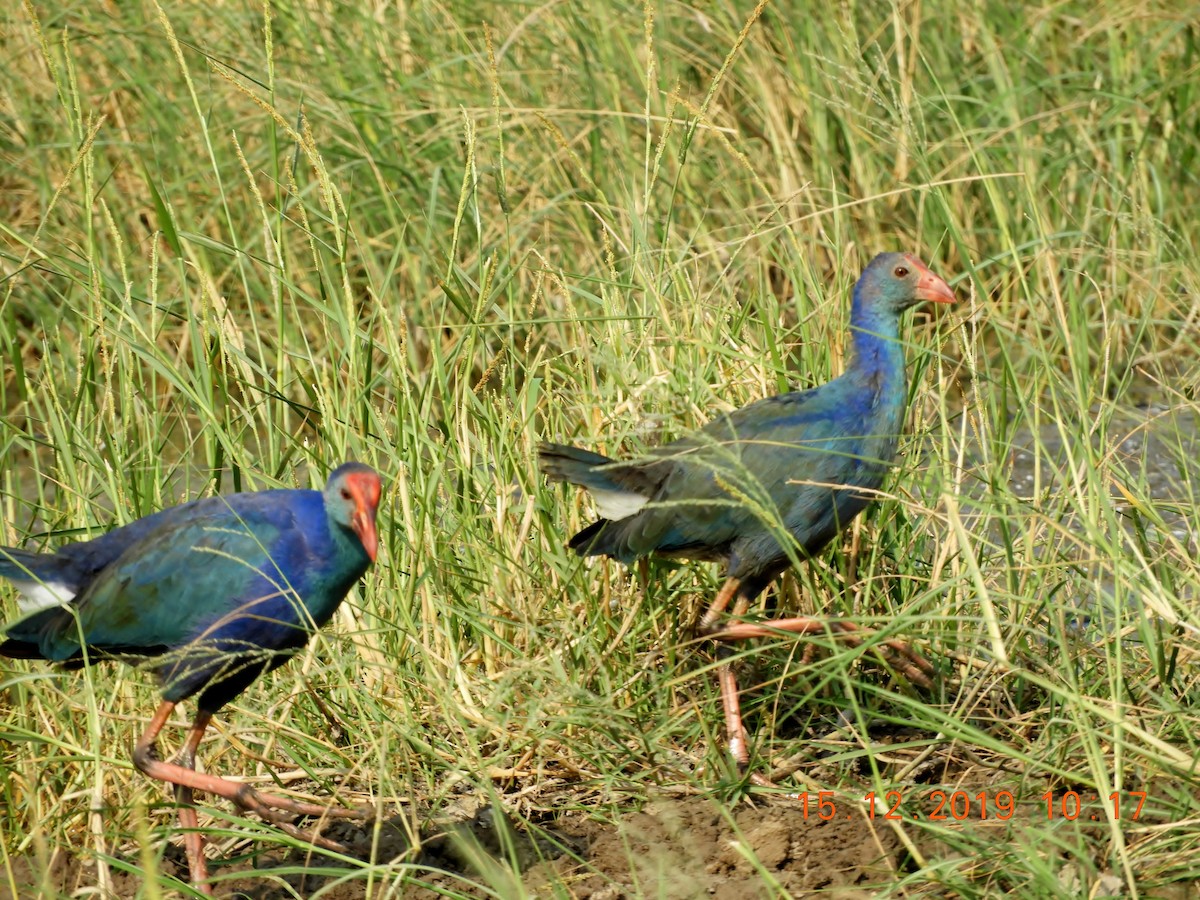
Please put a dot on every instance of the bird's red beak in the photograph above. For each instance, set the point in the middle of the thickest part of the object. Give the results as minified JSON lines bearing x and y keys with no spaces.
{"x":366,"y":489}
{"x":931,"y":287}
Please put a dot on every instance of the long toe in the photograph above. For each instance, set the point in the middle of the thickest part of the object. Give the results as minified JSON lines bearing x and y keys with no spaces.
{"x":763,"y":781}
{"x":898,"y":654}
{"x":280,"y":811}
{"x":912,"y":664}
{"x":310,"y":836}
{"x":255,"y":801}
{"x":283,"y":821}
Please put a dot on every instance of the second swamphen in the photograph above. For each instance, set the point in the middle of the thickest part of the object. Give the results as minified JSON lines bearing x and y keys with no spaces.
{"x":770,"y":483}
{"x":215,"y":592}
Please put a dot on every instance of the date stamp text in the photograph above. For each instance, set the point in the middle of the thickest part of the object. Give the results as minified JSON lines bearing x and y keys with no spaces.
{"x":947,"y":806}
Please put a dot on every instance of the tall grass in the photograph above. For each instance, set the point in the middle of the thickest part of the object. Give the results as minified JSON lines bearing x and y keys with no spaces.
{"x":240,"y":245}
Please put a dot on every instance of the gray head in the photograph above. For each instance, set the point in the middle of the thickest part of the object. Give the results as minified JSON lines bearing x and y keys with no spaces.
{"x":892,"y":282}
{"x":351,"y":499}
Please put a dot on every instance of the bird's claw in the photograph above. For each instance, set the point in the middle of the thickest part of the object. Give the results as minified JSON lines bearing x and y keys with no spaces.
{"x":896,"y":653}
{"x":280,"y":811}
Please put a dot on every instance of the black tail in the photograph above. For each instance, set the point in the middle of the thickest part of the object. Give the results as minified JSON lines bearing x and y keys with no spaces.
{"x":15,"y":649}
{"x":23,"y":637}
{"x":586,"y":542}
{"x":562,"y":462}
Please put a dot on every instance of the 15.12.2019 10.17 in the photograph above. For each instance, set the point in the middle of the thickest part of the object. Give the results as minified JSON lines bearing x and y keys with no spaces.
{"x":960,"y":805}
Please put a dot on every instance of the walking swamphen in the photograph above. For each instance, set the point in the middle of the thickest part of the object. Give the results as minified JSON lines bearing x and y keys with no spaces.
{"x":215,"y":592}
{"x":770,"y":483}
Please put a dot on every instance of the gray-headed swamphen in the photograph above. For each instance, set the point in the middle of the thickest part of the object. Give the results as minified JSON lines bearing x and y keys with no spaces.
{"x":215,"y":592}
{"x":770,"y":483}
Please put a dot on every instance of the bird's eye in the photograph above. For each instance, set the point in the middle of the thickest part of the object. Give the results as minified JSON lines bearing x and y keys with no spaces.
{"x":345,"y":494}
{"x":900,"y":272}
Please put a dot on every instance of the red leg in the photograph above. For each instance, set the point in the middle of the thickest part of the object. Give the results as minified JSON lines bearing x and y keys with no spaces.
{"x":193,"y":839}
{"x":728,"y":589}
{"x":247,"y":799}
{"x":735,"y":732}
{"x":896,"y":653}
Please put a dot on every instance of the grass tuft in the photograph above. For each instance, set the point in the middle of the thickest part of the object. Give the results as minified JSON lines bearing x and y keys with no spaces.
{"x":238,"y":246}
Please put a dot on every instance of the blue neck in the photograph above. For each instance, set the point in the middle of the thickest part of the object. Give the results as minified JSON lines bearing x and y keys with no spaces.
{"x":875,"y":349}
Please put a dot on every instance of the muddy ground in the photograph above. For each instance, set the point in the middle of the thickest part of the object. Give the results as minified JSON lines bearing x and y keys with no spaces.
{"x":672,"y":848}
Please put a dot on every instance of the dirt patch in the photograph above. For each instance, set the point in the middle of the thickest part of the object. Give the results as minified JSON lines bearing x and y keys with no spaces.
{"x":676,"y":849}
{"x":671,"y":848}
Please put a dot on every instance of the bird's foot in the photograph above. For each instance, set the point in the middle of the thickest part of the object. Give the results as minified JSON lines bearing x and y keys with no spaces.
{"x":250,"y":799}
{"x":280,"y":811}
{"x":763,"y":781}
{"x":310,"y":836}
{"x":895,"y":652}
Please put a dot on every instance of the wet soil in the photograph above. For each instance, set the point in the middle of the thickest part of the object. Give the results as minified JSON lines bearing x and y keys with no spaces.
{"x":673,"y":847}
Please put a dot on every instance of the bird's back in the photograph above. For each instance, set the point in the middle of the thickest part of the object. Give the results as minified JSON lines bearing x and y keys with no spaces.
{"x":796,"y":467}
{"x":774,"y":481}
{"x":72,"y":566}
{"x":258,"y":571}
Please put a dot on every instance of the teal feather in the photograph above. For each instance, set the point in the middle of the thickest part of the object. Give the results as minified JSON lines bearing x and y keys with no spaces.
{"x":775,"y":480}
